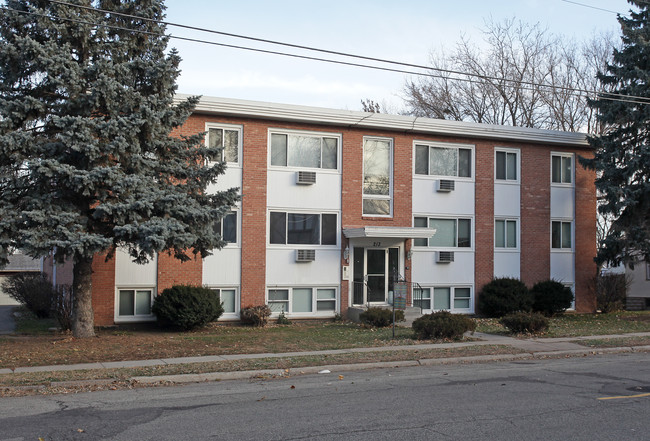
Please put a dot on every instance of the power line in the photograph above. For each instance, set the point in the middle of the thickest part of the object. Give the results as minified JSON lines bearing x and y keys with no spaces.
{"x":574,"y":91}
{"x":577,"y":92}
{"x":592,"y":7}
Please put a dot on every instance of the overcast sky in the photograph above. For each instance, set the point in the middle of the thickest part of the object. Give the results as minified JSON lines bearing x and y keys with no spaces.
{"x":406,"y":30}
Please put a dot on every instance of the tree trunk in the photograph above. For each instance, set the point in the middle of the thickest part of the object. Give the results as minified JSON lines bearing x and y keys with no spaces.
{"x":82,"y":316}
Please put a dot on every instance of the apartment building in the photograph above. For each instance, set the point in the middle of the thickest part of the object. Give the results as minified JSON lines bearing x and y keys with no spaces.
{"x":338,"y":205}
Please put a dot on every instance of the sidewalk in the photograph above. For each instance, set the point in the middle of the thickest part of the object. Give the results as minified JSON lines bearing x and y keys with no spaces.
{"x":524,"y":348}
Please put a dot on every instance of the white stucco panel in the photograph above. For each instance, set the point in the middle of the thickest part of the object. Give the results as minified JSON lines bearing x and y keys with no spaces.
{"x":223,"y":267}
{"x":507,"y":264}
{"x":425,"y":270}
{"x":562,"y":202}
{"x":128,"y":273}
{"x":283,"y":191}
{"x":426,"y":199}
{"x":563,"y":267}
{"x":507,"y":199}
{"x":282,"y":268}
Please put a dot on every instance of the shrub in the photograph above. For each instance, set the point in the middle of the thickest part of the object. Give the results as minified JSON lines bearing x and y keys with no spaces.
{"x":503,"y":296}
{"x":34,"y":291}
{"x":283,"y":320}
{"x":442,"y":324}
{"x":551,"y":297}
{"x":380,"y":317}
{"x":611,"y":291}
{"x":520,"y":322}
{"x":62,"y":306}
{"x":255,"y":315}
{"x":187,"y":307}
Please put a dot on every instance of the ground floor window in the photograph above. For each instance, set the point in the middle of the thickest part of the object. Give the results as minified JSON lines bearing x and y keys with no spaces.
{"x":447,"y":298}
{"x":228,"y":298}
{"x":303,"y":300}
{"x":133,"y":303}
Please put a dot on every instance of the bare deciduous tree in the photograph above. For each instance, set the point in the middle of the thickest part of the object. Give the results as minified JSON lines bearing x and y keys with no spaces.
{"x":521,"y":75}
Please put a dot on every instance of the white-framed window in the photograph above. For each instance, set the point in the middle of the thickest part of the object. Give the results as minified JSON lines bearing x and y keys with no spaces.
{"x":228,"y":138}
{"x":377,"y":176}
{"x":443,"y":159}
{"x":506,"y":165}
{"x":450,"y":233}
{"x":304,"y":149}
{"x":506,"y":233}
{"x":562,"y":168}
{"x":229,"y":299}
{"x":227,"y":227}
{"x":134,"y":303}
{"x":303,"y":300}
{"x":561,"y":235}
{"x":303,"y":228}
{"x":445,"y":298}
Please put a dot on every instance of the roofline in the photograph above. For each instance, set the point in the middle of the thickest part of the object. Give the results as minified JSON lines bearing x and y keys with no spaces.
{"x":411,"y":124}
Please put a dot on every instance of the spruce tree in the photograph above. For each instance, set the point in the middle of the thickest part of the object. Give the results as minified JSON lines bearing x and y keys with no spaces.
{"x":87,"y":163}
{"x":622,"y":152}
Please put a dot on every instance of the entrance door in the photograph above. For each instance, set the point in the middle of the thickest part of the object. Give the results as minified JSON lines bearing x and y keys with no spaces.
{"x":374,"y":271}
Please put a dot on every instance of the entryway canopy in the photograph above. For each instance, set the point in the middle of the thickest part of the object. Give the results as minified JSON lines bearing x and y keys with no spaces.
{"x":390,"y":232}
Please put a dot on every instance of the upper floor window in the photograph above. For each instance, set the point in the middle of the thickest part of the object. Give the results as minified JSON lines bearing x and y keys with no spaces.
{"x":562,"y":169}
{"x":449,"y":232}
{"x":506,"y":164}
{"x":377,"y":176}
{"x":228,"y":139}
{"x":439,"y":160}
{"x":304,"y":150}
{"x":561,"y":235}
{"x":302,"y":228}
{"x":505,"y":233}
{"x":227,"y":227}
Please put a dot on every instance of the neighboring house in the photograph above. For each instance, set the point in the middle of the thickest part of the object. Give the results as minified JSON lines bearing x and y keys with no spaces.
{"x":18,"y":263}
{"x":638,"y":293}
{"x":335,"y":202}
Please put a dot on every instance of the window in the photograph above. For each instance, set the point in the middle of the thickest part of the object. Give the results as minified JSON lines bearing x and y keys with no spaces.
{"x":443,"y":161}
{"x":561,"y":235}
{"x":227,"y":227}
{"x":302,"y":300}
{"x":134,"y":302}
{"x":228,"y":298}
{"x":449,"y":232}
{"x":505,"y":233}
{"x":462,"y":298}
{"x":377,"y":176}
{"x":303,"y":150}
{"x":562,"y":169}
{"x":227,"y":139}
{"x":302,"y":228}
{"x":424,"y":301}
{"x":506,"y":165}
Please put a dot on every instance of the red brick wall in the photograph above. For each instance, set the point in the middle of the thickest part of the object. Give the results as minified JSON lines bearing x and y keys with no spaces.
{"x":483,"y":217}
{"x":172,"y":271}
{"x":103,"y":280}
{"x":535,"y":214}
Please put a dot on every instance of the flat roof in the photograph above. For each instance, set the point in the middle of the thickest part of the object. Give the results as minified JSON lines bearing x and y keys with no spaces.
{"x":401,"y":123}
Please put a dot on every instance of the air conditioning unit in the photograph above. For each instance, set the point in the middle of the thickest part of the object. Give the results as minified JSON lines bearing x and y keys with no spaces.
{"x":444,"y":256}
{"x":306,"y":177}
{"x":445,"y":185}
{"x":305,"y":255}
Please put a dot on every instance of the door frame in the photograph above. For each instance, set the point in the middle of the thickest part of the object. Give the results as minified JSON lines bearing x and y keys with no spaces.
{"x":375,"y":244}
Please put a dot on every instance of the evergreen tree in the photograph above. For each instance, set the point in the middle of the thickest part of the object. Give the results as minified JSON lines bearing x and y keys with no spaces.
{"x":622,"y":152}
{"x":87,"y":163}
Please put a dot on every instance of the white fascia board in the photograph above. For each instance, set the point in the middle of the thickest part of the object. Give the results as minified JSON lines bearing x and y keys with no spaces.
{"x":390,"y":232}
{"x":349,"y":118}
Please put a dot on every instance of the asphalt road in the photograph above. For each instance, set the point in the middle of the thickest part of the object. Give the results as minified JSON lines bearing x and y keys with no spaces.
{"x":588,"y":398}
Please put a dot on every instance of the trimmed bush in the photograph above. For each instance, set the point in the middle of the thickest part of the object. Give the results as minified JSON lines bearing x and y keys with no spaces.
{"x":380,"y":317}
{"x":34,"y":291}
{"x":521,"y":322}
{"x":442,"y":324}
{"x":503,"y":296}
{"x":255,"y":315}
{"x":551,"y":297}
{"x":187,"y":307}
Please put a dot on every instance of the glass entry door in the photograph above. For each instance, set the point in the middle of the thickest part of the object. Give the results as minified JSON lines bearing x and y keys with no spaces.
{"x":374,"y":271}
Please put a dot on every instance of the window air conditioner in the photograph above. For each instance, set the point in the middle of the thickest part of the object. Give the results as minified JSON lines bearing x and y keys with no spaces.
{"x":305,"y":255}
{"x":445,"y":185}
{"x":444,"y":257}
{"x":305,"y":177}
